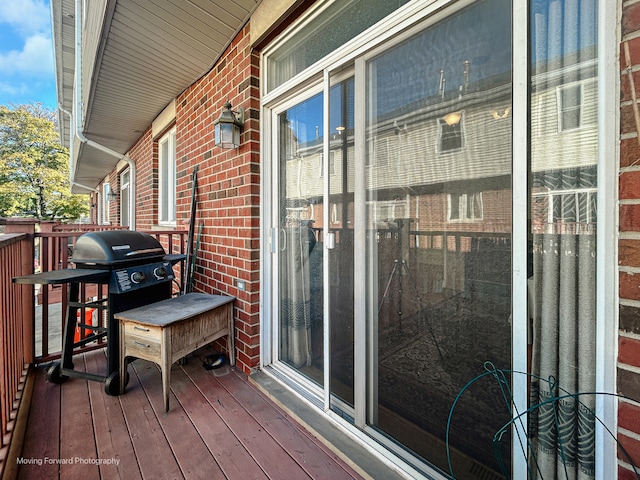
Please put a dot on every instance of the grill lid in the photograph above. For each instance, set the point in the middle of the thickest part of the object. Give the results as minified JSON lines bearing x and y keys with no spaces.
{"x":113,"y":247}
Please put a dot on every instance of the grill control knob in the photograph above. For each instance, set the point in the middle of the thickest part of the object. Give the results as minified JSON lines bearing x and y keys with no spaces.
{"x":137,"y":277}
{"x":160,"y":273}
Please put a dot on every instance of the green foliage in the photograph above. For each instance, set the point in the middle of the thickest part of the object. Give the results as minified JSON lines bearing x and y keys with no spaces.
{"x":34,"y":167}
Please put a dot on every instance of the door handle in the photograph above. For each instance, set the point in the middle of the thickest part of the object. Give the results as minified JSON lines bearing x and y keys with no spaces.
{"x":330,"y":240}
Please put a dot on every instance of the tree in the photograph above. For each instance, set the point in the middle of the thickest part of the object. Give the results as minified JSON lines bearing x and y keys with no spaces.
{"x":34,"y":168}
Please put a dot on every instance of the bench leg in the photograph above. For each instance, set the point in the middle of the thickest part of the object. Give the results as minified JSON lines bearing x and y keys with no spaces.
{"x":165,"y":365}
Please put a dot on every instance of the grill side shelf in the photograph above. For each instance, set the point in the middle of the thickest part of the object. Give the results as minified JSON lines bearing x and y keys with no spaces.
{"x":69,"y":275}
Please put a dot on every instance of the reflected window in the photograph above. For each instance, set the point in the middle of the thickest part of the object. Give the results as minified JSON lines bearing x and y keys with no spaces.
{"x":570,"y":106}
{"x":450,"y":133}
{"x":465,"y":207}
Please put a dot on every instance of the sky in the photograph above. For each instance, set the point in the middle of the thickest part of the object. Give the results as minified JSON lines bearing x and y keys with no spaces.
{"x":26,"y":53}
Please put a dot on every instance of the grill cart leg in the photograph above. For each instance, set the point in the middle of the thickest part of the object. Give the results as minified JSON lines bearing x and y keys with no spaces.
{"x":54,"y":374}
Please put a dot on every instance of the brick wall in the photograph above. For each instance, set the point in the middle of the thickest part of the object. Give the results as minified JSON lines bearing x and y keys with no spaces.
{"x":228,"y":190}
{"x":628,"y":374}
{"x":145,"y":154}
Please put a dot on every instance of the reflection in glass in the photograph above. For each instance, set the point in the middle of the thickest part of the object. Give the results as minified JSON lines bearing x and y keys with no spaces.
{"x":300,"y":264}
{"x":341,"y":259}
{"x":438,"y":192}
{"x":563,"y":228}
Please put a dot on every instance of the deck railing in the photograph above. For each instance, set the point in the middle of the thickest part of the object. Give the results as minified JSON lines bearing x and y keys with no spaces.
{"x":16,"y":332}
{"x":32,"y":318}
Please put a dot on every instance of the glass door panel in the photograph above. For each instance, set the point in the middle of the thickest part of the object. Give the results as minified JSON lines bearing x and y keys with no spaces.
{"x":341,"y":227}
{"x":562,"y":283}
{"x":438,"y":227}
{"x":300,"y":253}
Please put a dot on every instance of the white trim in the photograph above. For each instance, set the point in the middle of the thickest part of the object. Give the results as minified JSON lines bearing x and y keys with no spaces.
{"x":167,"y":218}
{"x":405,"y":17}
{"x":607,"y":238}
{"x":520,"y":233}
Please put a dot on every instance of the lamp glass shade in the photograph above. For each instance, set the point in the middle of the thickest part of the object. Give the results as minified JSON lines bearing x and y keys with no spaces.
{"x":227,"y":135}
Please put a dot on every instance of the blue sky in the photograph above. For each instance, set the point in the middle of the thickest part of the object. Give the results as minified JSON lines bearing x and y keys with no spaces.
{"x":26,"y":53}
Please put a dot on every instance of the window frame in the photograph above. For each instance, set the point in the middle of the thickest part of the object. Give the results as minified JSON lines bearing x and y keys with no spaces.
{"x":125,"y":198}
{"x":167,"y":218}
{"x":104,"y":214}
{"x":563,"y":110}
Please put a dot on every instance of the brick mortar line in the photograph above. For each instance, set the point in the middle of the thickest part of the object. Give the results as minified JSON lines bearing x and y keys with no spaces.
{"x":631,"y":270}
{"x":629,"y":368}
{"x":630,"y":335}
{"x":630,"y":401}
{"x":627,"y":302}
{"x":629,"y":433}
{"x":629,"y":236}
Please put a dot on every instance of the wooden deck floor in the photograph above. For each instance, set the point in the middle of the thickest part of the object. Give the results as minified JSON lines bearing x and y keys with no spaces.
{"x":219,"y":426}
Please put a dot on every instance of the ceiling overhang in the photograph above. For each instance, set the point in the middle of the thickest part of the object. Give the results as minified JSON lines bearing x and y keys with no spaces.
{"x":142,"y":55}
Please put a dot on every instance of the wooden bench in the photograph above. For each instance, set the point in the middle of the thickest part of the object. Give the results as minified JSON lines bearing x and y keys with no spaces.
{"x":168,"y":330}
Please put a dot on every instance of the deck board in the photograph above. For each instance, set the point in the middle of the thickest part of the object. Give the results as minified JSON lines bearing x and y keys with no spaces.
{"x":266,"y":452}
{"x":229,"y":453}
{"x":193,"y":456}
{"x":110,"y":428}
{"x":77,"y":443}
{"x":44,"y":441}
{"x":297,"y":442}
{"x":154,"y":454}
{"x":218,"y":426}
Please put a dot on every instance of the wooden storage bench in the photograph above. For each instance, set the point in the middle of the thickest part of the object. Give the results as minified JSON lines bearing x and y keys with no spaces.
{"x":166,"y":331}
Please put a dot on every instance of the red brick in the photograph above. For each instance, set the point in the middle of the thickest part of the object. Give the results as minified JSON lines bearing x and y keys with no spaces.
{"x":629,"y":152}
{"x":629,"y":351}
{"x":629,"y":253}
{"x":627,"y":120}
{"x":631,"y":447}
{"x":629,"y":417}
{"x":629,"y":286}
{"x":630,"y":19}
{"x":626,"y":474}
{"x":629,"y":185}
{"x":633,"y":45}
{"x":629,"y":218}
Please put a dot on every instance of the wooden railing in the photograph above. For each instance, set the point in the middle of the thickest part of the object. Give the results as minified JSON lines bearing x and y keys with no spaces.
{"x":16,"y":332}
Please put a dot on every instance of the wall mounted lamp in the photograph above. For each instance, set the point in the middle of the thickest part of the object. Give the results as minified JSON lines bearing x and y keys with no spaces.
{"x":452,"y":118}
{"x":111,"y":196}
{"x":228,"y":127}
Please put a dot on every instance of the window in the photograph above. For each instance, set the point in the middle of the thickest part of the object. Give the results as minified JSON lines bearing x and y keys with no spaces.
{"x":569,"y":107}
{"x":464,"y":207}
{"x":167,"y":179}
{"x":125,"y":201}
{"x":332,"y":163}
{"x":103,"y":214}
{"x":450,"y":133}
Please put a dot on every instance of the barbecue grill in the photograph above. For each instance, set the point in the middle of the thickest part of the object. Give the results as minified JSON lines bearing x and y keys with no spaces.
{"x":137,"y":271}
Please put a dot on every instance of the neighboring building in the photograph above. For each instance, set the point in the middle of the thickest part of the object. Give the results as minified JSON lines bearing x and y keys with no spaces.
{"x":422,"y":189}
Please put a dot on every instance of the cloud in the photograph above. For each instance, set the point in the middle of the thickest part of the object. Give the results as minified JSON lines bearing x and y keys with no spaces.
{"x":26,"y":17}
{"x":35,"y":59}
{"x":13,"y":89}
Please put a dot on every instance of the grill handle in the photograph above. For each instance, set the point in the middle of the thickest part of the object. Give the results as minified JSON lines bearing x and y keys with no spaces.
{"x":143,"y":251}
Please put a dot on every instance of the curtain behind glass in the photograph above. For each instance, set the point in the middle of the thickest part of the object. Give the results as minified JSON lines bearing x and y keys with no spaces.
{"x":563,"y":215}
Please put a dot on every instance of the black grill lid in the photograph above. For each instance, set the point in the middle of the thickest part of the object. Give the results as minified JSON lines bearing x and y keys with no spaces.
{"x":112,"y":247}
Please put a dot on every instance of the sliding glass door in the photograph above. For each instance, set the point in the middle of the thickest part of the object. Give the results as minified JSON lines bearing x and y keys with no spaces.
{"x":438,"y":228}
{"x":433,"y":225}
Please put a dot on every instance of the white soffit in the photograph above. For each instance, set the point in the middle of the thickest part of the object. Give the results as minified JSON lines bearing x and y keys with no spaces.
{"x":148,"y":52}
